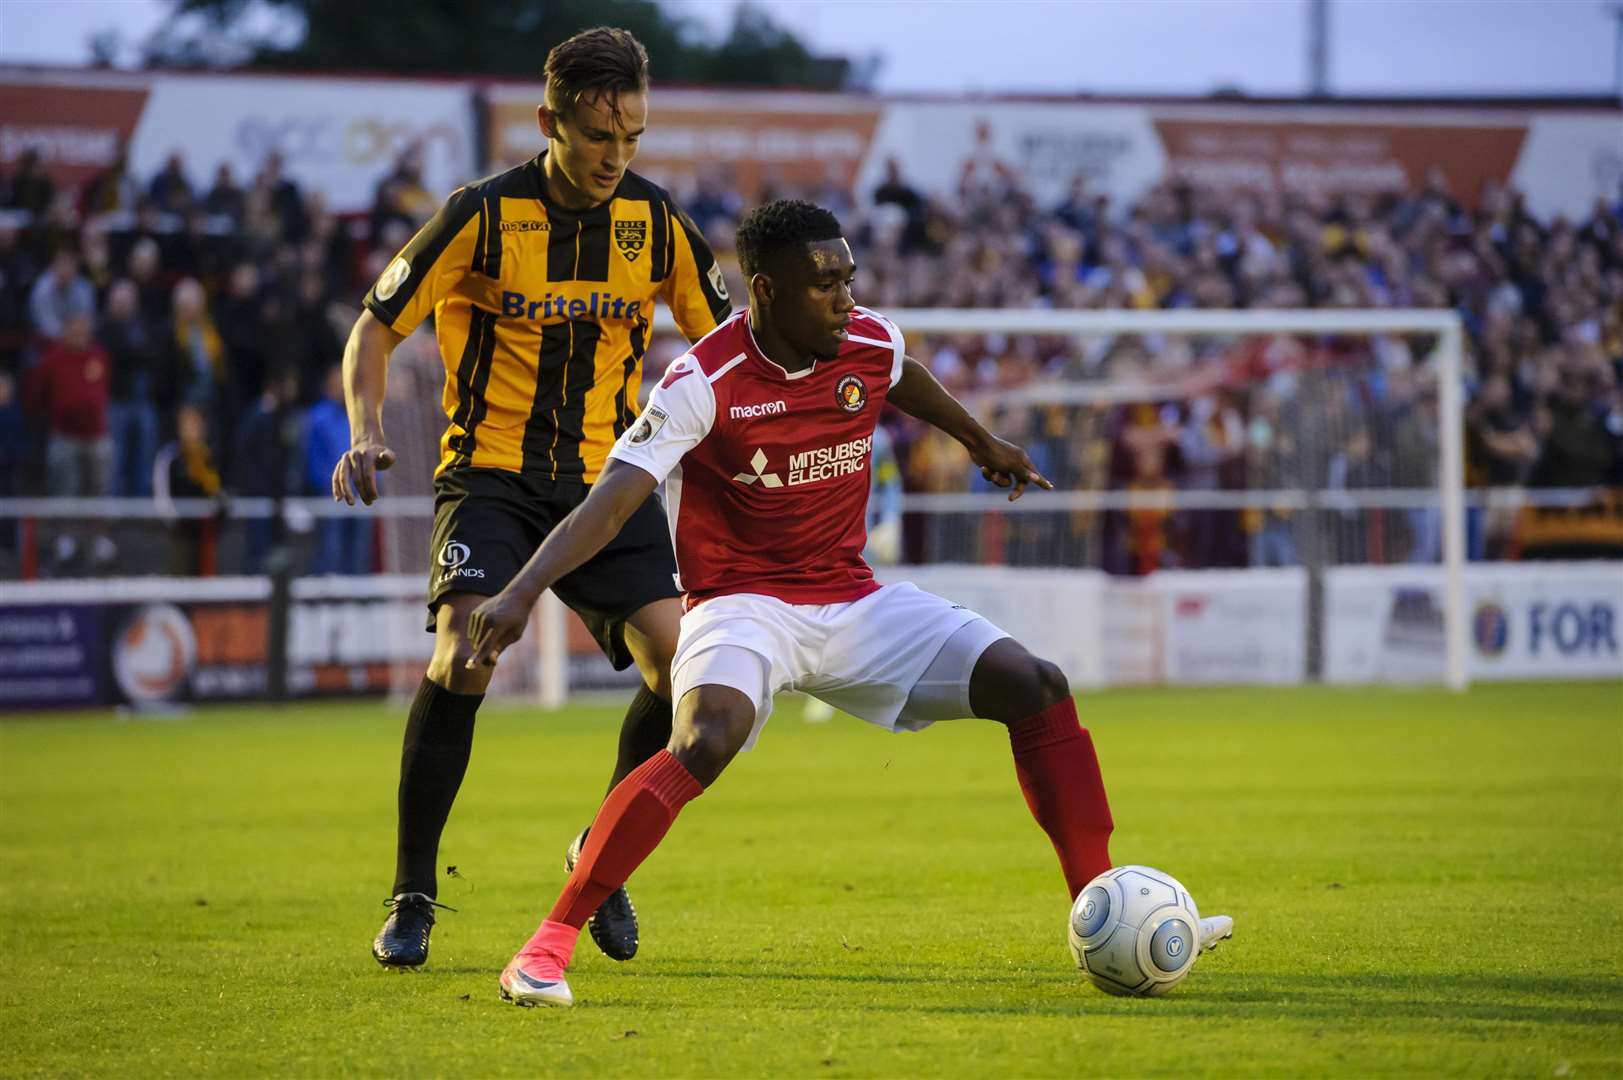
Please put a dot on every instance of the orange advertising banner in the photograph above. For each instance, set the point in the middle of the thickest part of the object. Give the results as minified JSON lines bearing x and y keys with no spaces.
{"x":752,"y":141}
{"x":77,"y":130}
{"x":1336,"y":157}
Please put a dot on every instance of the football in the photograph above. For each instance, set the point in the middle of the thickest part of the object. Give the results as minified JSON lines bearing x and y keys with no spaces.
{"x":1135,"y":931}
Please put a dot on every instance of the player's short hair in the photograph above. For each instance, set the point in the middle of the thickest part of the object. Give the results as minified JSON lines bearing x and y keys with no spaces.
{"x":780,"y":226}
{"x":603,"y":60}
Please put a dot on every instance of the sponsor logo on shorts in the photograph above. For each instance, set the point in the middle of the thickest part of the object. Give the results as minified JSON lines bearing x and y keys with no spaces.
{"x":764,"y":408}
{"x":851,"y":393}
{"x":653,"y":418}
{"x":452,"y":556}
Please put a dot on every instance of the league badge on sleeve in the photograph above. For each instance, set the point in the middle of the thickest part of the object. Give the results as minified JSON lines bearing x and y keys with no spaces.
{"x":392,"y":278}
{"x":717,"y":281}
{"x":652,"y":419}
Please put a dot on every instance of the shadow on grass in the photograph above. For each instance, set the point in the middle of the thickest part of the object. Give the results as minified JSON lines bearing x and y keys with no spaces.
{"x":1588,"y":1001}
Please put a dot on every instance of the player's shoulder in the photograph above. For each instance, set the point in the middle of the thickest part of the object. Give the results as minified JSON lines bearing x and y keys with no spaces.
{"x":712,"y":358}
{"x":869,"y":323}
{"x":716,"y":353}
{"x":522,"y":181}
{"x":635,"y":186}
{"x":871,"y":337}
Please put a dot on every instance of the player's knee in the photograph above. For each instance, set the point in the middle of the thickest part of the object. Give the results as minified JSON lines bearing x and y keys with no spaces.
{"x":1049,"y":682}
{"x":651,"y":636}
{"x":1010,"y":684}
{"x":448,"y":667}
{"x":658,"y":680}
{"x":705,"y":739}
{"x":705,"y":747}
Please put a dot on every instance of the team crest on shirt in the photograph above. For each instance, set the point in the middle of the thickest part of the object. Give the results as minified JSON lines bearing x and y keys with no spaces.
{"x":630,"y":237}
{"x":851,"y":393}
{"x":653,"y":418}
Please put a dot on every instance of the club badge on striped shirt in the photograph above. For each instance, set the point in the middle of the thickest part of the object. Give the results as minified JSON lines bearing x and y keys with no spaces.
{"x":630,"y":237}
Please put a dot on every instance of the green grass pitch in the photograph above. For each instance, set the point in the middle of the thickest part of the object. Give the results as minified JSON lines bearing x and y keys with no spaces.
{"x":1422,"y":884}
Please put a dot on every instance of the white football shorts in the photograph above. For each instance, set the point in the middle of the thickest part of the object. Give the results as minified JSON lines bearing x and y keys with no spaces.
{"x":899,"y":657}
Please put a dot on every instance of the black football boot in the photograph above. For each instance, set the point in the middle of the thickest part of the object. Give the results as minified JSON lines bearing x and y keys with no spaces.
{"x":403,"y":941}
{"x":614,"y":923}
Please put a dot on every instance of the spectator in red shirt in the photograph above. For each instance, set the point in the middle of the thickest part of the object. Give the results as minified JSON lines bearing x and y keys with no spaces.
{"x":68,"y":391}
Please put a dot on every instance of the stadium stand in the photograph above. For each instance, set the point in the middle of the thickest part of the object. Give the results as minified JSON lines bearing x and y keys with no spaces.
{"x":217,"y":311}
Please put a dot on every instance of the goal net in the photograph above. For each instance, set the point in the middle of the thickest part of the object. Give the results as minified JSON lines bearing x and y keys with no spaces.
{"x":1241,"y":496}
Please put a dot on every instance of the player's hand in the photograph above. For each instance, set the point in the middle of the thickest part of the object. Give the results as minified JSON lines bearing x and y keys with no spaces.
{"x":1006,"y":465}
{"x":357,"y":472}
{"x":493,"y":626}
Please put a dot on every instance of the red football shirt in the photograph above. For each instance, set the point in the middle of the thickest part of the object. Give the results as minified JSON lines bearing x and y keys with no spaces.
{"x":765,"y":472}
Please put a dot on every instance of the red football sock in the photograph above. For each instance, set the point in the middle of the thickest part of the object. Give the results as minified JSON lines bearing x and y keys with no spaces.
{"x":629,"y":825}
{"x":1059,"y":773}
{"x":553,"y":941}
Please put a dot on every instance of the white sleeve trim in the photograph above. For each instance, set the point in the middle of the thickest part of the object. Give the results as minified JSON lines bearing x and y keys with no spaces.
{"x":897,"y":343}
{"x":724,"y":369}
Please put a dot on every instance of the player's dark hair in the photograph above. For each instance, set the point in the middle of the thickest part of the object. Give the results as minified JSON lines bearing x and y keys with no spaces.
{"x":780,"y":226}
{"x":603,"y":60}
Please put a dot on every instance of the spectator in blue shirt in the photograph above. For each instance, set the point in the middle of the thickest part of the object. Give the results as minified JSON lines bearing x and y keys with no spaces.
{"x":343,"y":543}
{"x":60,"y":293}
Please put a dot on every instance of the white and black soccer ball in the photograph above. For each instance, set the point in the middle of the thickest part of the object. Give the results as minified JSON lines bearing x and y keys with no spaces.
{"x":1135,"y":931}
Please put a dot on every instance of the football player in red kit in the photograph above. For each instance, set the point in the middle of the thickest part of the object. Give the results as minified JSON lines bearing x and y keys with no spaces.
{"x":760,"y":438}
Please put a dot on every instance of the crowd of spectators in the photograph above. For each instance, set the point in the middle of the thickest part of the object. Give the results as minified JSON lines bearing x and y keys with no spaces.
{"x":163,"y":336}
{"x":1541,"y":302}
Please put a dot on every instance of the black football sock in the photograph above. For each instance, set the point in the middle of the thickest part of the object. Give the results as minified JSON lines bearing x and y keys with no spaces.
{"x":439,"y":741}
{"x":644,"y":733}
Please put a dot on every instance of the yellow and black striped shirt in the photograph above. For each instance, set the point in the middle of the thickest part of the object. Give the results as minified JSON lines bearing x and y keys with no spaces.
{"x":543,"y":314}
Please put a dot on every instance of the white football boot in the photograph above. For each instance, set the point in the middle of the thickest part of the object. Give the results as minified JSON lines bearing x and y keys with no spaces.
{"x":1213,"y":929}
{"x":535,"y":979}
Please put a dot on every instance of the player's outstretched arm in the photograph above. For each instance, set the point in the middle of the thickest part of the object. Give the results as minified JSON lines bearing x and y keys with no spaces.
{"x":366,"y":377}
{"x":499,"y":621}
{"x":917,"y":393}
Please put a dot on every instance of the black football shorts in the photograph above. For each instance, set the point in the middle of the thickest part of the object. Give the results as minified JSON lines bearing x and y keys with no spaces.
{"x":488,"y":522}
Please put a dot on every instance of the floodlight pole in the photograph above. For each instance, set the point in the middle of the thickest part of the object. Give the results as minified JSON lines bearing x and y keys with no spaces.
{"x":1318,"y":48}
{"x":1617,"y":53}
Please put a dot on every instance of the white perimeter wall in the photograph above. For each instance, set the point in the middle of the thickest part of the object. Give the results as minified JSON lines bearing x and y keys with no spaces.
{"x":1381,"y":624}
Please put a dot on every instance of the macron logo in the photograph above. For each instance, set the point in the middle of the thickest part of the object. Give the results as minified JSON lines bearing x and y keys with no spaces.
{"x":765,"y":408}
